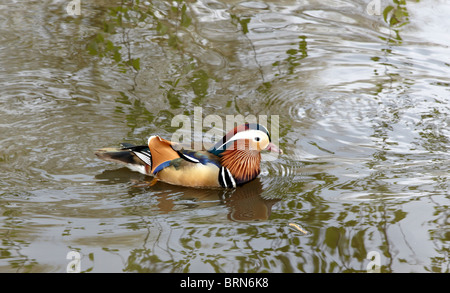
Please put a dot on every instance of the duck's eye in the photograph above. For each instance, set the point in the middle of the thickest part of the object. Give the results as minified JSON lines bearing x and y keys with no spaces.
{"x":257,"y":138}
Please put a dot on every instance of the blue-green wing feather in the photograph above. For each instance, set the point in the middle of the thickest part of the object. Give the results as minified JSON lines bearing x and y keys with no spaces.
{"x":188,"y":158}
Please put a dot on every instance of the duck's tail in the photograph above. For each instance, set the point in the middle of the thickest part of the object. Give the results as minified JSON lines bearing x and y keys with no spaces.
{"x":137,"y":158}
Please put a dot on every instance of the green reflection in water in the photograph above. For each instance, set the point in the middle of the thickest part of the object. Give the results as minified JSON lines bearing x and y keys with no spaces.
{"x":180,"y":245}
{"x":168,"y":20}
{"x":136,"y":114}
{"x":294,"y":56}
{"x":396,"y":16}
{"x":341,"y":232}
{"x":13,"y":243}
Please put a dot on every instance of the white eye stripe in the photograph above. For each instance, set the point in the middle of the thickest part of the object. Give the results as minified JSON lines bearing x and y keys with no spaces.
{"x":248,"y":134}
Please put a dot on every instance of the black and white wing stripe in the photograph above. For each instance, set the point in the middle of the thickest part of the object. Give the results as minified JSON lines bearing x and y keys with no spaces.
{"x":226,"y":179}
{"x":188,"y":157}
{"x":144,"y":155}
{"x":141,"y":151}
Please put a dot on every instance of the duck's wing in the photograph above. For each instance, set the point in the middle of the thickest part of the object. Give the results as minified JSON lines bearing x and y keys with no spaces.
{"x":152,"y":158}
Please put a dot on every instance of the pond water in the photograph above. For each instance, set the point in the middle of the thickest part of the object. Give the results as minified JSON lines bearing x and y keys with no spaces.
{"x":361,"y":89}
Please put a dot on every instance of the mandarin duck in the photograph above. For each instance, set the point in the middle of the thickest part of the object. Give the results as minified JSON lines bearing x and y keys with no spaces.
{"x":232,"y":161}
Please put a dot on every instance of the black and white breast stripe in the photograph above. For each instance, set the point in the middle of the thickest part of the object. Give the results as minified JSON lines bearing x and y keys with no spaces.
{"x":226,"y":179}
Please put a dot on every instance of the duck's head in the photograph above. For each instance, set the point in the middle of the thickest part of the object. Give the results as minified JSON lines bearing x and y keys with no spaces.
{"x":246,"y":137}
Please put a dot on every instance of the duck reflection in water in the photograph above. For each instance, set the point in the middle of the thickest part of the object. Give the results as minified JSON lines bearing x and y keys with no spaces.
{"x":244,"y":203}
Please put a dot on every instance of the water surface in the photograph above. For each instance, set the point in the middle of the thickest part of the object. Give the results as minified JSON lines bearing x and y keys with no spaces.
{"x":363,"y":101}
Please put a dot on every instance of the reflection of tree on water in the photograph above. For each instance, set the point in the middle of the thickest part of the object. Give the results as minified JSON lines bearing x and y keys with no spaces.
{"x":12,"y":247}
{"x":174,"y":29}
{"x":338,"y":241}
{"x":171,"y":245}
